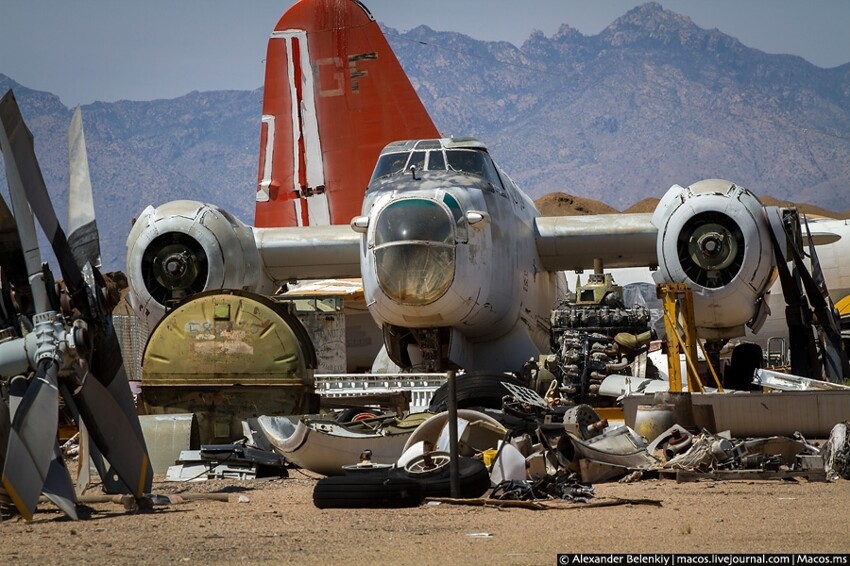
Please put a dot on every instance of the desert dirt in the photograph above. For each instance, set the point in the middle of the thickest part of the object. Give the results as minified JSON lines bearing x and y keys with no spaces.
{"x":275,"y":521}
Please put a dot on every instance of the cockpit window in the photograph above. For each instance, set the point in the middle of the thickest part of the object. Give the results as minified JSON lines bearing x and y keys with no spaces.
{"x":389,"y":164}
{"x":417,"y":159}
{"x":436,"y":161}
{"x":475,"y":162}
{"x":433,"y":159}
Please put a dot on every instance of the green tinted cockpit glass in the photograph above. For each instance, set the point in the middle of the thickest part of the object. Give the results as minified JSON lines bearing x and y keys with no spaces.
{"x":413,"y":219}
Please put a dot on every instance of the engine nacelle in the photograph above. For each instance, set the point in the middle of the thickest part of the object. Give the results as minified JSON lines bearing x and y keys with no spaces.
{"x":714,"y":236}
{"x":186,"y":247}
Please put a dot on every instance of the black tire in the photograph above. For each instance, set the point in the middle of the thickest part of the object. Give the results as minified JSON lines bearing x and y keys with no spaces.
{"x":475,"y":389}
{"x":473,"y":475}
{"x":379,"y":491}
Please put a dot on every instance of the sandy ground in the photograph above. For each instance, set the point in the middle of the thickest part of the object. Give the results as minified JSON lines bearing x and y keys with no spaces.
{"x":275,"y":521}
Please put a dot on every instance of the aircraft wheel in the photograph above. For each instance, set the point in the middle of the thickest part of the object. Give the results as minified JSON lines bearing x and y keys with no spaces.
{"x":473,"y":475}
{"x":367,"y":491}
{"x":475,"y":389}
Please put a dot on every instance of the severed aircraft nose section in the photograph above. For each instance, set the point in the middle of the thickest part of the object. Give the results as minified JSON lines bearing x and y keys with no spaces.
{"x":414,"y":246}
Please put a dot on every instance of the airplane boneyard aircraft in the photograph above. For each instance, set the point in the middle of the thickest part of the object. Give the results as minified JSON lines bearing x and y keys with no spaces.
{"x":458,"y":267}
{"x":56,"y":346}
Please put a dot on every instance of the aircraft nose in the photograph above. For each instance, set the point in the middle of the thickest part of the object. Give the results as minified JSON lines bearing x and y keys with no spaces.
{"x":414,"y":250}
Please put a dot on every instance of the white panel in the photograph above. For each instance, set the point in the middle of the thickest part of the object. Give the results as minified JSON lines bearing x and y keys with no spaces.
{"x":309,"y":122}
{"x":317,"y":209}
{"x":263,"y":192}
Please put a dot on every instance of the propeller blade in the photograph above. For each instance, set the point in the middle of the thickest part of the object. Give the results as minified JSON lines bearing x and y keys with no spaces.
{"x":802,"y":347}
{"x":835,"y":359}
{"x":84,"y":459}
{"x":11,"y":251}
{"x":89,"y":454}
{"x":23,"y":153}
{"x":5,"y":427}
{"x":22,"y":479}
{"x":32,"y":438}
{"x":113,"y":433}
{"x":82,"y":227}
{"x":58,"y":486}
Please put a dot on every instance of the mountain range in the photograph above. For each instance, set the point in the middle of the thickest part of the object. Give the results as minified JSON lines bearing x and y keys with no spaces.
{"x":616,"y":117}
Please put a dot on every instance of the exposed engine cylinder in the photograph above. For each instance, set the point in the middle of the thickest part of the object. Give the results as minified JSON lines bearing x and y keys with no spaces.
{"x":714,"y":236}
{"x":186,"y":247}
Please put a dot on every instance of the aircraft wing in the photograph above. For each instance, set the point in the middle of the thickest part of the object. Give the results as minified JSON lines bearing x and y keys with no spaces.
{"x":309,"y":252}
{"x":566,"y":243}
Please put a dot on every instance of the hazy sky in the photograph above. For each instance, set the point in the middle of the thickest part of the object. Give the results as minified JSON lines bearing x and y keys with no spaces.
{"x":87,"y":50}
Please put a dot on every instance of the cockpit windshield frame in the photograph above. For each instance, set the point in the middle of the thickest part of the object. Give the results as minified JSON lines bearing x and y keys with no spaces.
{"x":429,"y":158}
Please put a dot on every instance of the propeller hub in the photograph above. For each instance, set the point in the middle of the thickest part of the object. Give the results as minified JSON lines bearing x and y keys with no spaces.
{"x":175,"y":267}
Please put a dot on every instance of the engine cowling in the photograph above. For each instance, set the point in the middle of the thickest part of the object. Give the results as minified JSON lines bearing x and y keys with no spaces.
{"x":714,"y":236}
{"x":186,"y":247}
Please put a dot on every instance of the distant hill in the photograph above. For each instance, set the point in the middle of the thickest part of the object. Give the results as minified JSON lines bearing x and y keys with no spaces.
{"x":561,"y":204}
{"x":617,"y":117}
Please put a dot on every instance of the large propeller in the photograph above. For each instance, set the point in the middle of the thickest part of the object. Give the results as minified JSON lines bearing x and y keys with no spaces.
{"x":77,"y":353}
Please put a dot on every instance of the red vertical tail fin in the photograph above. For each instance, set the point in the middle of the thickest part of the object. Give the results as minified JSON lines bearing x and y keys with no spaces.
{"x":335,"y":95}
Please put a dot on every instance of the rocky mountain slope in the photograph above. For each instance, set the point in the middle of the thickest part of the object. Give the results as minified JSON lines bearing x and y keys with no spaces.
{"x":617,"y":117}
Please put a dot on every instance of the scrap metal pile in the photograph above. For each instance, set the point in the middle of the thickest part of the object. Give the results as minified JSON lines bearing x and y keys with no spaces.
{"x":525,"y":450}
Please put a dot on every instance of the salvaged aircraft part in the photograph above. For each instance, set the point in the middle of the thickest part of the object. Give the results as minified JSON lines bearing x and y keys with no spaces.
{"x":416,"y":389}
{"x":788,"y":382}
{"x":77,"y":354}
{"x":324,"y":446}
{"x":583,"y":422}
{"x":618,"y":386}
{"x":478,"y":438}
{"x":713,"y":235}
{"x":561,"y":485}
{"x":179,"y":249}
{"x":168,"y":435}
{"x":652,"y":420}
{"x":367,"y":491}
{"x":782,"y":449}
{"x":584,"y":337}
{"x":226,"y":356}
{"x":709,"y":452}
{"x":618,"y":446}
{"x":379,"y":488}
{"x":837,"y":452}
{"x":265,"y":463}
{"x":476,"y":389}
{"x":509,"y":465}
{"x":672,"y":441}
{"x":811,"y":413}
{"x":431,"y":469}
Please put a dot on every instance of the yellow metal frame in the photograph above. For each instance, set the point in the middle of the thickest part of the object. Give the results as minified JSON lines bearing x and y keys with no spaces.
{"x":677,"y":300}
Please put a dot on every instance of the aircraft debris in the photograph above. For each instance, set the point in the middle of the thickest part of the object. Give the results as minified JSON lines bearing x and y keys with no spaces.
{"x":789,"y":382}
{"x":324,"y":445}
{"x":837,"y":452}
{"x":222,"y":461}
{"x":60,"y":338}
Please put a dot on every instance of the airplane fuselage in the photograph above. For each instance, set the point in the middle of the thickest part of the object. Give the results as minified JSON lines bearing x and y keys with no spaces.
{"x":450,"y":249}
